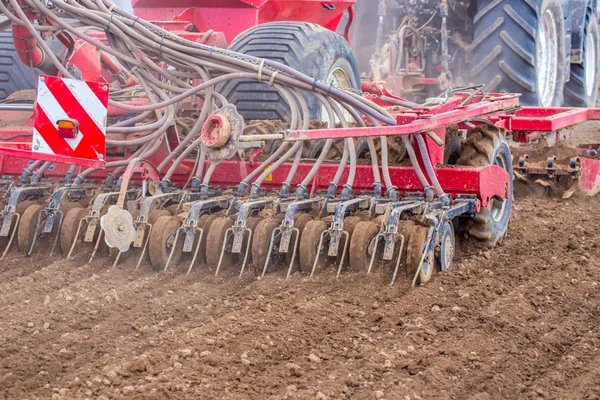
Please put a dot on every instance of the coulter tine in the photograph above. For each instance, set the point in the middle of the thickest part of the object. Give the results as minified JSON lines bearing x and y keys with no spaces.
{"x":116,"y":260}
{"x":96,"y":245}
{"x":37,"y":231}
{"x":60,"y":220}
{"x":227,"y":232}
{"x":76,"y":236}
{"x":247,"y":251}
{"x":318,"y":253}
{"x":201,"y":233}
{"x":172,"y":248}
{"x":379,"y":236}
{"x":398,"y":261}
{"x":12,"y":236}
{"x":296,"y":241}
{"x":339,"y":271}
{"x":264,"y":271}
{"x":144,"y":247}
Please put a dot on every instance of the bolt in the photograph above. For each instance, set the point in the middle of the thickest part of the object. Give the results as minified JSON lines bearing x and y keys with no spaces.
{"x":100,"y":156}
{"x":120,"y":227}
{"x":36,"y":147}
{"x":42,"y":79}
{"x":105,"y":88}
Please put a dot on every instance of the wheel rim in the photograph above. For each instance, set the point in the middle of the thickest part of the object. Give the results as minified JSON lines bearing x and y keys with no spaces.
{"x":338,"y":77}
{"x":448,"y":249}
{"x":499,"y":207}
{"x":547,"y":58}
{"x":591,"y":45}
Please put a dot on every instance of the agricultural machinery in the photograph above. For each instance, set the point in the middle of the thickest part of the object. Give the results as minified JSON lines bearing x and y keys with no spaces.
{"x":236,"y":137}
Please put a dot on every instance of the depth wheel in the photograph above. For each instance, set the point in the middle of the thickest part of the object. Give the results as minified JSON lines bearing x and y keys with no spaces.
{"x":261,"y":240}
{"x":362,"y":245}
{"x":214,"y":243}
{"x":69,"y":228}
{"x":26,"y":228}
{"x":445,"y":250}
{"x":416,"y":246}
{"x":309,"y":243}
{"x":162,"y":240}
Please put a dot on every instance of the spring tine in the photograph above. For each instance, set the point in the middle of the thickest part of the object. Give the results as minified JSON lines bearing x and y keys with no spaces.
{"x":201,"y":231}
{"x":379,"y":236}
{"x":429,"y":237}
{"x":37,"y":231}
{"x":294,"y":253}
{"x":76,"y":236}
{"x":269,"y":252}
{"x":398,"y":261}
{"x":247,"y":250}
{"x":318,"y":253}
{"x":12,"y":236}
{"x":96,"y":246}
{"x":227,"y":232}
{"x":172,"y":248}
{"x":116,"y":259}
{"x":339,"y":271}
{"x":60,"y":220}
{"x":144,"y":247}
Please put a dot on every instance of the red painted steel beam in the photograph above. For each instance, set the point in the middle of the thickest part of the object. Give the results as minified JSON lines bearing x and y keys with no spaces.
{"x":550,"y":119}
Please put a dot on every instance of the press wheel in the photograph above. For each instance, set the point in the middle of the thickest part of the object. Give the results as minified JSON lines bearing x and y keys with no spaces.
{"x":27,"y":225}
{"x":69,"y":228}
{"x":261,"y":241}
{"x":362,"y":245}
{"x":162,"y":240}
{"x":309,"y":244}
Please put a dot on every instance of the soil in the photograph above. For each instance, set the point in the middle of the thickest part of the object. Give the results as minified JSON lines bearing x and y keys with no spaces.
{"x":517,"y":321}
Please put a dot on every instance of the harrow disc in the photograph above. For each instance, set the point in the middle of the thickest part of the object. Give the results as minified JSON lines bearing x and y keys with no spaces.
{"x":309,"y":244}
{"x":162,"y":240}
{"x":362,"y":245}
{"x":69,"y":227}
{"x":261,"y":242}
{"x":27,"y":225}
{"x":299,"y":222}
{"x":204,"y":222}
{"x":215,"y":240}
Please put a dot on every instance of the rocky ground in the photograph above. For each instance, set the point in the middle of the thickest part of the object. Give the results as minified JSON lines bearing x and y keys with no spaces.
{"x":520,"y":321}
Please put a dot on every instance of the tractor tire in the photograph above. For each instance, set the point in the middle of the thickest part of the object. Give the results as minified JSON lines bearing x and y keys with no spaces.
{"x":486,"y":145}
{"x":308,"y":48}
{"x":14,"y":75}
{"x":582,"y":89}
{"x":518,"y":47}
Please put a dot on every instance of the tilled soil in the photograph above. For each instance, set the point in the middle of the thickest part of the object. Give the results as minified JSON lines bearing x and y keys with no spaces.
{"x":519,"y":321}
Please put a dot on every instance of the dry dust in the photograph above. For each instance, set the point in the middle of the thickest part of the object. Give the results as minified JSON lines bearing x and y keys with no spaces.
{"x":520,"y":321}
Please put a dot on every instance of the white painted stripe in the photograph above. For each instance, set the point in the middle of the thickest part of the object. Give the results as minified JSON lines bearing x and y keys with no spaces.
{"x":39,"y":145}
{"x":54,"y":111}
{"x":89,"y":101}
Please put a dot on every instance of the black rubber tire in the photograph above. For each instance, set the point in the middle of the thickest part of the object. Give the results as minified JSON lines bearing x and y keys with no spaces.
{"x":504,"y":48}
{"x":446,"y":248}
{"x":14,"y":75}
{"x":308,"y":48}
{"x":158,"y":250}
{"x":575,"y":89}
{"x":486,"y":145}
{"x":364,"y":233}
{"x":452,"y":146}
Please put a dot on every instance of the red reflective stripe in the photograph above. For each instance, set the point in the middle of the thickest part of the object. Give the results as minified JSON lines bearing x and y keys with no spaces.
{"x":97,"y":89}
{"x":72,"y":107}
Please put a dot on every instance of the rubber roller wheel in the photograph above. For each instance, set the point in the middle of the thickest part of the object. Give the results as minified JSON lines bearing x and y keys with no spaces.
{"x":362,"y":245}
{"x":416,"y":246}
{"x":214,"y":243}
{"x":68,"y":231}
{"x":162,"y":240}
{"x":309,"y":244}
{"x":27,"y":225}
{"x":261,"y":241}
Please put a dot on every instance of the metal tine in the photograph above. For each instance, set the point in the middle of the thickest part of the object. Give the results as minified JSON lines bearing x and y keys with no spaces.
{"x":116,"y":259}
{"x":12,"y":235}
{"x":96,"y":246}
{"x":86,"y":219}
{"x":402,"y":241}
{"x":269,"y":253}
{"x":296,"y":241}
{"x":246,"y":229}
{"x":145,"y":246}
{"x":181,"y":228}
{"x":37,"y":230}
{"x":60,"y":221}
{"x":201,"y":231}
{"x":343,"y":253}
{"x":379,"y":236}
{"x":318,"y":252}
{"x":429,"y":238}
{"x":227,"y":232}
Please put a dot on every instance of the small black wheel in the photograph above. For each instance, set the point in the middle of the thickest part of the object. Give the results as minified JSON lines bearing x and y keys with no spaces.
{"x":309,"y":244}
{"x":445,"y":249}
{"x":362,"y":245}
{"x":214,"y":243}
{"x":162,"y":240}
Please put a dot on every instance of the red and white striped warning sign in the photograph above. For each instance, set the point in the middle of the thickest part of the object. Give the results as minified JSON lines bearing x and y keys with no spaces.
{"x":84,"y":103}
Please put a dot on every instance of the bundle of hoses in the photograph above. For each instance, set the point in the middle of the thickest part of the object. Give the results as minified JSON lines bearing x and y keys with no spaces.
{"x":166,"y":65}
